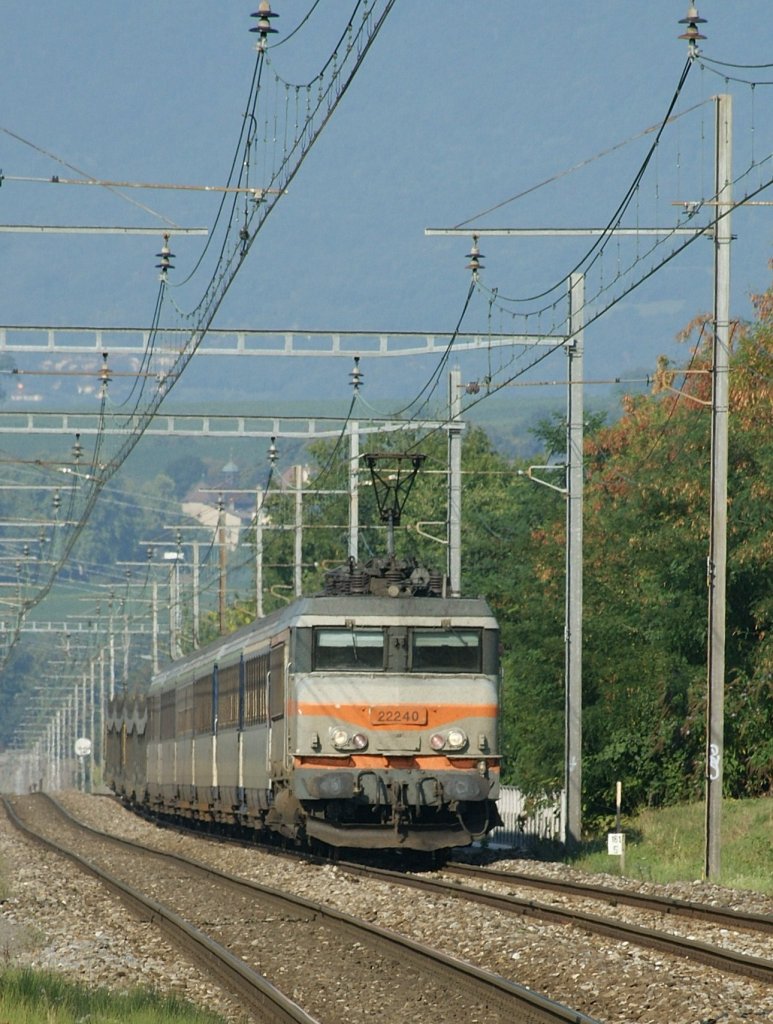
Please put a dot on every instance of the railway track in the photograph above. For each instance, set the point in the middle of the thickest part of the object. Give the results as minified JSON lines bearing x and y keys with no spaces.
{"x":704,"y":913}
{"x":726,"y":960}
{"x":311,"y":946}
{"x":723,"y":916}
{"x":711,"y":955}
{"x":720,"y":958}
{"x":238,"y":977}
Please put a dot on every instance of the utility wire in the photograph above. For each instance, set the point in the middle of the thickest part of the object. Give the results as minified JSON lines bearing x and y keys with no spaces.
{"x":432,"y":381}
{"x":89,"y":177}
{"x":298,"y":27}
{"x":215,"y":293}
{"x":733,"y":78}
{"x":323,"y":474}
{"x":729,"y":64}
{"x":494,"y":387}
{"x":600,"y":243}
{"x":252,"y":96}
{"x":576,"y":167}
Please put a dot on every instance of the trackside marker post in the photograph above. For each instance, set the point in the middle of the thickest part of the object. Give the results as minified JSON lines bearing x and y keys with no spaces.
{"x":616,"y":839}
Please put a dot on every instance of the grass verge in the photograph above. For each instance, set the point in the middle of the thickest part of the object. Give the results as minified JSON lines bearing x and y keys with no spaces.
{"x":32,"y":997}
{"x":667,"y":845}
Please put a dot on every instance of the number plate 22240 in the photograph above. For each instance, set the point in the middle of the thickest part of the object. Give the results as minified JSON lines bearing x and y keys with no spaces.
{"x":398,"y":714}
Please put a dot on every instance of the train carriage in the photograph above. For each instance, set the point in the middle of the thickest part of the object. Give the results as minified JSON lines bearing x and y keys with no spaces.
{"x":365,"y":719}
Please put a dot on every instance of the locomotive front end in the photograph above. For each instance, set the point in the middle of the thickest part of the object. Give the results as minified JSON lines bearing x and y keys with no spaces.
{"x":395,"y":723}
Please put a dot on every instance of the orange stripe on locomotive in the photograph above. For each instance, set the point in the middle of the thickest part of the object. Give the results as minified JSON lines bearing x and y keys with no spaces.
{"x":362,"y":716}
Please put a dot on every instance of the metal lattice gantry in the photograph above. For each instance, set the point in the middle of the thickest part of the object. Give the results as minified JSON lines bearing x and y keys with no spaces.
{"x":46,"y":340}
{"x":201,"y":425}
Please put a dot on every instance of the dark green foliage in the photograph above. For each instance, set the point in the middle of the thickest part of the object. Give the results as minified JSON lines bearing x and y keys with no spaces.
{"x":645,"y":598}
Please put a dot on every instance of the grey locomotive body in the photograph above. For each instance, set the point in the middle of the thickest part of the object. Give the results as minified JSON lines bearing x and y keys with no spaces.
{"x":356,"y":719}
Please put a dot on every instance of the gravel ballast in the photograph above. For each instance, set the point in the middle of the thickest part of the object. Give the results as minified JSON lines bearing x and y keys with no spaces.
{"x":57,"y":918}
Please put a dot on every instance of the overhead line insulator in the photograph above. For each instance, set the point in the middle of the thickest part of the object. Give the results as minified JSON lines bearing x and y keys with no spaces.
{"x":475,"y":256}
{"x":356,"y":375}
{"x":692,"y":35}
{"x":264,"y":14}
{"x":273,"y":453}
{"x":166,"y":256}
{"x":104,"y":373}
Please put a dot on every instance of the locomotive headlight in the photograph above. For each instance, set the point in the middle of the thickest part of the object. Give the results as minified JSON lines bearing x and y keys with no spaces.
{"x":359,"y":741}
{"x":437,"y":741}
{"x":339,"y":738}
{"x":456,"y":739}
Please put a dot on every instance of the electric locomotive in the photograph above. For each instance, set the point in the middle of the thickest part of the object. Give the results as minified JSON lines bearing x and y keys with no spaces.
{"x":365,"y":717}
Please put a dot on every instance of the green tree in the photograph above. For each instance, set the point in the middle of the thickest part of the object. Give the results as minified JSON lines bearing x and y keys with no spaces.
{"x":645,"y":600}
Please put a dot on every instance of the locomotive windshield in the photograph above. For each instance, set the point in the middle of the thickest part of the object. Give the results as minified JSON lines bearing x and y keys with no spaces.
{"x":407,"y":650}
{"x":442,"y":650}
{"x":348,"y":649}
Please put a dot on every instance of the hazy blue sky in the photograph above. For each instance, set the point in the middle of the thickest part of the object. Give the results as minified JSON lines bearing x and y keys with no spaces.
{"x":458,"y":107}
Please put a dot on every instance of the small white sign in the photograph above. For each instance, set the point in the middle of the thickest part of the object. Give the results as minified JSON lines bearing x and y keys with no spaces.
{"x":82,"y":746}
{"x":616,"y":844}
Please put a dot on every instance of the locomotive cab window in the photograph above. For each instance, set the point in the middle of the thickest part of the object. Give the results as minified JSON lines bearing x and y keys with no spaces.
{"x":348,"y":650}
{"x":446,"y":650}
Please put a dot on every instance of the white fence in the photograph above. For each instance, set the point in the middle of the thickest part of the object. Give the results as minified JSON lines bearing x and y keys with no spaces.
{"x":527,"y":821}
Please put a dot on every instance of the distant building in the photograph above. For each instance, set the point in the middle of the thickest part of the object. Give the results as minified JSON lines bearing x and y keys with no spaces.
{"x":229,"y":475}
{"x":209,"y":516}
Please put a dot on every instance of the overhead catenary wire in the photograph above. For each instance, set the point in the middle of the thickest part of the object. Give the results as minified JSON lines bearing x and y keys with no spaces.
{"x":576,"y":167}
{"x":753,"y":82}
{"x":251,"y":101}
{"x":493,"y":386}
{"x":87,"y":176}
{"x":427,"y":399}
{"x":140,"y":378}
{"x":432,"y":382}
{"x":602,"y":240}
{"x":496,"y":297}
{"x":297,"y":29}
{"x":732,"y":64}
{"x":229,"y":262}
{"x":323,"y":475}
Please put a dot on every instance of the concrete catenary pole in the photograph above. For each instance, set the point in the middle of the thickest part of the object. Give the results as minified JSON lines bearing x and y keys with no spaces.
{"x":356,"y":378}
{"x":298,"y":556}
{"x":354,"y":490}
{"x":574,"y":581}
{"x":455,"y":483}
{"x":717,"y":560}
